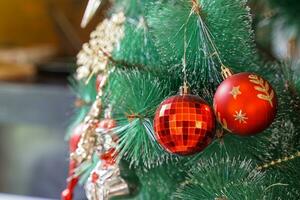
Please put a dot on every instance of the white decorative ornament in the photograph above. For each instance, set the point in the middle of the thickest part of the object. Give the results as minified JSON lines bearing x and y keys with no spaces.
{"x":90,"y":11}
{"x":105,"y":182}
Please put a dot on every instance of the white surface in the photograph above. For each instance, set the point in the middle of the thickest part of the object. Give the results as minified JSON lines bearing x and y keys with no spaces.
{"x":14,"y":197}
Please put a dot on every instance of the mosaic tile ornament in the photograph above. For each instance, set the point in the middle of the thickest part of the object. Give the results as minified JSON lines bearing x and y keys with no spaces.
{"x":245,"y":104}
{"x":184,"y":124}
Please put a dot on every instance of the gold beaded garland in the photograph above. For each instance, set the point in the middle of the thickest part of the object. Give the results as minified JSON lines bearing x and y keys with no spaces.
{"x":95,"y":55}
{"x":279,"y":161}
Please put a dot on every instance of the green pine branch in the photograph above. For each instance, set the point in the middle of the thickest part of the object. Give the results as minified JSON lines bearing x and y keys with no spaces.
{"x":222,"y":178}
{"x":134,"y":96}
{"x":179,"y":32}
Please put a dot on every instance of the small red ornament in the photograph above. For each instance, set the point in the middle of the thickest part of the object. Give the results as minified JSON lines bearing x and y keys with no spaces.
{"x":245,"y":104}
{"x":95,"y":123}
{"x":66,"y":195}
{"x":75,"y":137}
{"x":184,"y":124}
{"x":100,"y":82}
{"x":95,"y":177}
{"x":109,"y":158}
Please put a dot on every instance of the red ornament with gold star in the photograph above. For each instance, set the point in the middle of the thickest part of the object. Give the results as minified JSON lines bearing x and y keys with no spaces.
{"x":184,"y":124}
{"x":245,"y":104}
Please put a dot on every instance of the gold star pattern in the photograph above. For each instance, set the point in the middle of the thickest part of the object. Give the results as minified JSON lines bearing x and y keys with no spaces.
{"x":235,"y":91}
{"x":240,"y":116}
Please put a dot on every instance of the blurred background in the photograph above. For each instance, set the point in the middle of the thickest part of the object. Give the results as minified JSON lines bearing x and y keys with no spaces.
{"x":39,"y":40}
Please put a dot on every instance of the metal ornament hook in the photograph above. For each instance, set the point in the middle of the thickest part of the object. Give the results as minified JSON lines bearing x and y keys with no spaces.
{"x":184,"y":90}
{"x":226,"y":72}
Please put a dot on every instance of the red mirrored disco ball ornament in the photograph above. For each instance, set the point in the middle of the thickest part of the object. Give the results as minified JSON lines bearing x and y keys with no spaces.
{"x":184,"y":124}
{"x":245,"y":104}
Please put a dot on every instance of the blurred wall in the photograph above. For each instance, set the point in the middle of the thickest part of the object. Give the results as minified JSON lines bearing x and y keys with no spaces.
{"x":34,"y":22}
{"x":25,"y":22}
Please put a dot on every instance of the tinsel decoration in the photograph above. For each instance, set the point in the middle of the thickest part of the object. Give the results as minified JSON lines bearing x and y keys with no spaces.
{"x":88,"y":141}
{"x":105,"y":180}
{"x":95,"y":55}
{"x":106,"y":139}
{"x":98,"y":139}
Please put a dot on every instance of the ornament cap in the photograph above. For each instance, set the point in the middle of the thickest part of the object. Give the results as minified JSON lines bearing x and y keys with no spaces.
{"x":184,"y":90}
{"x":226,"y":72}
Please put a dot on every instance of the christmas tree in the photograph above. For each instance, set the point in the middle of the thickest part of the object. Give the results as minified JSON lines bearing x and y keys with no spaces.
{"x":177,"y":102}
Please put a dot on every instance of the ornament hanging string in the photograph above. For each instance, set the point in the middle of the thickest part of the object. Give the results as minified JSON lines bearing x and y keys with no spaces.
{"x":184,"y":61}
{"x":196,"y":9}
{"x":185,"y":82}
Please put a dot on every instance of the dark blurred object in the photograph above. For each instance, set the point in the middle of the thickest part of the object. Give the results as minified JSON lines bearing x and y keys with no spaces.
{"x":49,"y":72}
{"x":277,"y":28}
{"x":55,"y":71}
{"x":18,"y":64}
